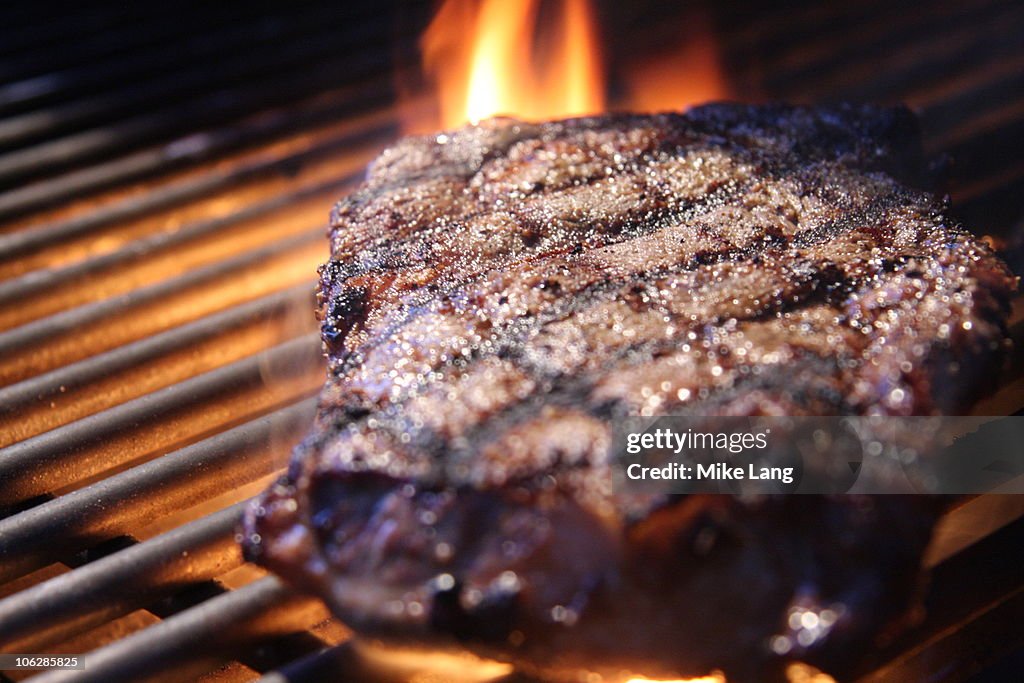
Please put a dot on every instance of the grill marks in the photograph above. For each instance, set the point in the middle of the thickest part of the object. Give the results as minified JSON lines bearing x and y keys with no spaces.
{"x":498,"y":293}
{"x":562,"y":297}
{"x":540,"y":274}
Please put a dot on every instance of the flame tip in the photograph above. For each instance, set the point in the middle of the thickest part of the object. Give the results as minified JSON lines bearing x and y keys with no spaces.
{"x":495,"y":57}
{"x":493,"y":72}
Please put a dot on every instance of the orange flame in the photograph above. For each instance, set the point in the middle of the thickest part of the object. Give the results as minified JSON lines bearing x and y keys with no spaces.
{"x":542,"y":60}
{"x":685,"y":71}
{"x":487,"y":62}
{"x":713,"y":678}
{"x":795,"y":673}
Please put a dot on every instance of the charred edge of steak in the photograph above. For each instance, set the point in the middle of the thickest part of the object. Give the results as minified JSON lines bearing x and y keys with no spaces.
{"x":498,"y":293}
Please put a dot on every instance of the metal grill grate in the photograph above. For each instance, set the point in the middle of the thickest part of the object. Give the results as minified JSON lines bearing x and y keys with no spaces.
{"x":165,"y":173}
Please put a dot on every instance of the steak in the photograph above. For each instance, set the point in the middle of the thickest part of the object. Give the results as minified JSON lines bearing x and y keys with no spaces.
{"x":498,"y":295}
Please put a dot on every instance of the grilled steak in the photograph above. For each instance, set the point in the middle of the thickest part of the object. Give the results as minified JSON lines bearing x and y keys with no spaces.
{"x":499,"y":294}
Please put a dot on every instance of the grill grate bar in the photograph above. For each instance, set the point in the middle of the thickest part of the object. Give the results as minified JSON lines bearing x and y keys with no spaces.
{"x":968,"y":618}
{"x":126,"y":501}
{"x":19,"y":288}
{"x":71,"y":453}
{"x":73,"y":150}
{"x":119,"y":75}
{"x":58,"y":387}
{"x":1000,"y":110}
{"x":202,"y":637}
{"x":820,"y":59}
{"x":987,"y":154}
{"x":900,"y":82}
{"x":32,"y":327}
{"x":31,"y":78}
{"x":929,"y":53}
{"x":835,"y":45}
{"x":193,"y":148}
{"x":113,"y":586}
{"x":995,"y":119}
{"x":973,"y":76}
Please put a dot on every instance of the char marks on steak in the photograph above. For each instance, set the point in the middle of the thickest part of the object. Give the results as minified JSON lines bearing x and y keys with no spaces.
{"x":499,"y":293}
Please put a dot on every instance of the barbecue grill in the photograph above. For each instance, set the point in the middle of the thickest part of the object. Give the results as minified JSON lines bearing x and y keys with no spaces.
{"x":165,"y":175}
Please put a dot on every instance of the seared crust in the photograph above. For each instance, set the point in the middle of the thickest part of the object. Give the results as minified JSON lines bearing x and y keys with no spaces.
{"x":499,"y":293}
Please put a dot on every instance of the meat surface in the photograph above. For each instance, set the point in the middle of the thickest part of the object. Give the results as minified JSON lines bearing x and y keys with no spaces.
{"x":498,"y":295}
